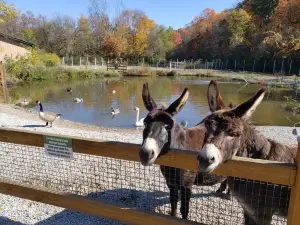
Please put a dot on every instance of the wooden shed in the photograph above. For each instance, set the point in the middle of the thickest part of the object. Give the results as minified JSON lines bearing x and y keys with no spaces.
{"x":12,"y":47}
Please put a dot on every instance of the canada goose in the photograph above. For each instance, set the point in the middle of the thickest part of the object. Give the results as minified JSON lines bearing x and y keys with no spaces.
{"x":78,"y":100}
{"x":114,"y":91}
{"x":23,"y":103}
{"x":115,"y":111}
{"x":69,"y":90}
{"x":138,"y":123}
{"x":48,"y":117}
{"x":184,"y":123}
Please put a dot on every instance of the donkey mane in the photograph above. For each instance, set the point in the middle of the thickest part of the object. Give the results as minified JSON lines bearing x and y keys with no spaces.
{"x":256,"y":145}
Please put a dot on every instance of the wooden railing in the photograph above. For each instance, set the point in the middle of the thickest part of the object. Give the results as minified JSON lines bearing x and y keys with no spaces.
{"x":120,"y":67}
{"x":268,"y":171}
{"x":3,"y":82}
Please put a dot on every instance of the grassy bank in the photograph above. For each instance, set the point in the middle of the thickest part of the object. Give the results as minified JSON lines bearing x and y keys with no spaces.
{"x":230,"y":75}
{"x":42,"y":73}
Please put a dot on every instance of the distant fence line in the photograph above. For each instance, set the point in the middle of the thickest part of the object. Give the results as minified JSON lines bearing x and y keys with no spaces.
{"x":282,"y":66}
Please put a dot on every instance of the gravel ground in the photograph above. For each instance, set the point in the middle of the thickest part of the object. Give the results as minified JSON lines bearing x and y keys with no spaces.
{"x":112,"y":180}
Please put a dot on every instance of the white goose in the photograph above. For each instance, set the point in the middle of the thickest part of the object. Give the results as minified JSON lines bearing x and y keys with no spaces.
{"x":138,"y":123}
{"x":78,"y":100}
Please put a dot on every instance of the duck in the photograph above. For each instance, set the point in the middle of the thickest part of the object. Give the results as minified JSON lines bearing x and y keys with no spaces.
{"x":78,"y":100}
{"x":184,"y":123}
{"x":25,"y":102}
{"x":114,"y":91}
{"x":69,"y":90}
{"x":138,"y":123}
{"x":115,"y":111}
{"x":48,"y":117}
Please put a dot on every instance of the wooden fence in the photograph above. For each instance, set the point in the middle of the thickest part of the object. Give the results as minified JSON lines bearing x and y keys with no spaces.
{"x":3,"y":82}
{"x":120,"y":67}
{"x":268,"y":171}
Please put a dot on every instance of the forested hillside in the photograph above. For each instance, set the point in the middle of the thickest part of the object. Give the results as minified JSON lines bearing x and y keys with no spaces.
{"x":254,"y":29}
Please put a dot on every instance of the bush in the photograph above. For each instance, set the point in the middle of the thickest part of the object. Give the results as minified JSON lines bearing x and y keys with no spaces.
{"x":33,"y":66}
{"x":141,"y":71}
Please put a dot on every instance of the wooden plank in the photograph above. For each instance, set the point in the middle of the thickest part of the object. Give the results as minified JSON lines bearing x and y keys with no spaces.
{"x":269,"y":171}
{"x":93,"y":207}
{"x":294,"y":207}
{"x":3,"y":82}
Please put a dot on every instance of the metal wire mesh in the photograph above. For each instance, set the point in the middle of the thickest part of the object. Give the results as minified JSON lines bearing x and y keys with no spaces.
{"x":130,"y":184}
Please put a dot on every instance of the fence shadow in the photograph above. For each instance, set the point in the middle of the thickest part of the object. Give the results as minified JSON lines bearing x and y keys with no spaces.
{"x":33,"y":126}
{"x":7,"y":221}
{"x":134,"y":199}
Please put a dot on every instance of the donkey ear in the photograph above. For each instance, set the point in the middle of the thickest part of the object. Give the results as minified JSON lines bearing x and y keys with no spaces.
{"x":147,"y":99}
{"x":215,"y":100}
{"x":176,"y":106}
{"x":246,"y":109}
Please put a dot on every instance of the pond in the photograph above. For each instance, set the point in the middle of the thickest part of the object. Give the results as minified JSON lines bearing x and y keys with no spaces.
{"x":98,"y":99}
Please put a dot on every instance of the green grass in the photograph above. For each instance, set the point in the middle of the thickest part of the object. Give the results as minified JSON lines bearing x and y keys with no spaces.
{"x":40,"y":73}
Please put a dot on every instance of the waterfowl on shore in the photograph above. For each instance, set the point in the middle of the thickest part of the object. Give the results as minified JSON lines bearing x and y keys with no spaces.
{"x":23,"y":103}
{"x":114,"y":91}
{"x":114,"y":111}
{"x":48,"y":117}
{"x":138,"y":122}
{"x":78,"y":100}
{"x":69,"y":90}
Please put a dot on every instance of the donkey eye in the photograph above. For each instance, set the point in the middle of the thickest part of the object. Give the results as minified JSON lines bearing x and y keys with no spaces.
{"x":167,"y":126}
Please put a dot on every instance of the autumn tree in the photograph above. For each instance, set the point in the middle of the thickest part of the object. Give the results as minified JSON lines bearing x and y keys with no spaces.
{"x":82,"y":38}
{"x":8,"y":12}
{"x":238,"y":24}
{"x":99,"y":23}
{"x":264,"y":8}
{"x":56,"y":35}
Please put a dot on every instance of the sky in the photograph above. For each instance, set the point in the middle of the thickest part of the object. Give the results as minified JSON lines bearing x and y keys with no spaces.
{"x":175,"y":13}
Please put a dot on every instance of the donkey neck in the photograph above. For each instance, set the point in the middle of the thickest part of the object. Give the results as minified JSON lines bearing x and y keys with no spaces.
{"x":254,"y":145}
{"x":187,"y":138}
{"x":178,"y":137}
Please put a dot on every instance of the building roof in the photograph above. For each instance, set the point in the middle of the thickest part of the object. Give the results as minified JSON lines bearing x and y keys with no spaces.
{"x":11,"y":39}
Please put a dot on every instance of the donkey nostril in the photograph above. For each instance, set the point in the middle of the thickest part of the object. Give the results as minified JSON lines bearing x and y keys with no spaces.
{"x":212,"y":159}
{"x":152,"y":153}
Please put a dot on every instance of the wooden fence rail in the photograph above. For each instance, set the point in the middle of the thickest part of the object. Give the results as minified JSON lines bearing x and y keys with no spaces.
{"x":261,"y":170}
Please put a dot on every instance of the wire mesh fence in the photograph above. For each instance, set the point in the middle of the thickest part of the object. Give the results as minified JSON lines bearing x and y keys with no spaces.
{"x":131,"y":185}
{"x":269,"y":66}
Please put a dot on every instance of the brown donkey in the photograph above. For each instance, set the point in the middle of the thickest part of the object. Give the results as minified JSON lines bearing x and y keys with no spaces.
{"x":162,"y":133}
{"x":228,"y":134}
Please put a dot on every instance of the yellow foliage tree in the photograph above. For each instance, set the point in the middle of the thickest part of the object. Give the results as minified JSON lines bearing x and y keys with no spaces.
{"x":144,"y":27}
{"x":8,"y":12}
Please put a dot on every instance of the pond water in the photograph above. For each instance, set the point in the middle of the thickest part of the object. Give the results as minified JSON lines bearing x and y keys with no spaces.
{"x":98,"y":99}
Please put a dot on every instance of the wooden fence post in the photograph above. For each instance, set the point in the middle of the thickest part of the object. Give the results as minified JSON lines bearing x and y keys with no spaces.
{"x":290,"y":67}
{"x":3,"y":81}
{"x":264,"y":66}
{"x":235,"y":65}
{"x":72,"y":61}
{"x":294,"y":207}
{"x":79,"y":61}
{"x":281,"y":70}
{"x":274,"y":65}
{"x":253,"y":66}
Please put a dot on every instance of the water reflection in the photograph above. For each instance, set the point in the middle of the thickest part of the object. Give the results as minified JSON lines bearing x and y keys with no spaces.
{"x":98,"y":99}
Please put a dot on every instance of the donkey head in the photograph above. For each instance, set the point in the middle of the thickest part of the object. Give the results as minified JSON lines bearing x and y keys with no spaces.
{"x":224,"y":132}
{"x":158,"y":125}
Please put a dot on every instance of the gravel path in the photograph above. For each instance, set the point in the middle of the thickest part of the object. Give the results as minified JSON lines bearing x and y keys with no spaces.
{"x":119,"y":181}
